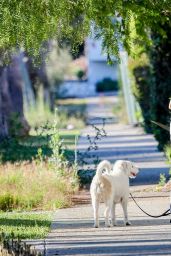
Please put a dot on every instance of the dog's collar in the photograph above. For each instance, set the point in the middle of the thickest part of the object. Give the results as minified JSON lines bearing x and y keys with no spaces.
{"x":133,"y":174}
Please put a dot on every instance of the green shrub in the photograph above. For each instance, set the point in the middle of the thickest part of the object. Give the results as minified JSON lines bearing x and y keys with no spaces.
{"x":85,"y":176}
{"x":8,"y":201}
{"x":141,"y":82}
{"x":106,"y":85}
{"x":168,"y":156}
{"x":80,"y":74}
{"x":151,"y":79}
{"x":162,"y":180}
{"x":160,"y":58}
{"x":13,"y":150}
{"x":168,"y":153}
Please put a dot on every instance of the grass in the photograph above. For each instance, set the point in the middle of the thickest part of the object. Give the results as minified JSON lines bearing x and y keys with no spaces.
{"x":25,"y":149}
{"x":13,"y":150}
{"x":28,"y":186}
{"x":74,"y":110}
{"x":25,"y":225}
{"x":69,"y":137}
{"x":71,"y":101}
{"x":30,"y":175}
{"x":38,"y":172}
{"x":70,"y":113}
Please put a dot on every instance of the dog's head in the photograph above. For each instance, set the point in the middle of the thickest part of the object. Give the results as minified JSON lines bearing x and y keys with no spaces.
{"x":129,"y":168}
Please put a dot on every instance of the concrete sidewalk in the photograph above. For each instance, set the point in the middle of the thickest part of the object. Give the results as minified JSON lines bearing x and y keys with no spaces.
{"x":73,"y":233}
{"x":72,"y":229}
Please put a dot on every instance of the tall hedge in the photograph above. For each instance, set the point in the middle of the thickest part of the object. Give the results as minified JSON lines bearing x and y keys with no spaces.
{"x":160,"y":57}
{"x":141,"y":87}
{"x":152,"y":84}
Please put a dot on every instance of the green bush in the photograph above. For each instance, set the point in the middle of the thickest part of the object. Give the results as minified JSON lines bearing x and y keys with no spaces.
{"x":8,"y":202}
{"x":141,"y":82}
{"x":162,"y":180}
{"x":151,"y":79}
{"x":80,"y":74}
{"x":168,"y":157}
{"x":160,"y":58}
{"x":106,"y":85}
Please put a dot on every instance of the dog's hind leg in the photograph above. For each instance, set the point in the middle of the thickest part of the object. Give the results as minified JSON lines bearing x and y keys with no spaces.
{"x":95,"y":204}
{"x":107,"y":212}
{"x":124,"y":204}
{"x":113,"y":217}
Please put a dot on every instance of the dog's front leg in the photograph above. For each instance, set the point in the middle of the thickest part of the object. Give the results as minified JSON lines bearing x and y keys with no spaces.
{"x":124,"y":206}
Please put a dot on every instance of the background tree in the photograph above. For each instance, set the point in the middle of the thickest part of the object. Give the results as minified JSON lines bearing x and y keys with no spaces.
{"x":28,"y":24}
{"x":152,"y":85}
{"x":12,"y":120}
{"x":160,"y":57}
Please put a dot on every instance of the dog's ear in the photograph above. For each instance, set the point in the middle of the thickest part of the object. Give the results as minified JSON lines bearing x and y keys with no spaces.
{"x":124,"y":165}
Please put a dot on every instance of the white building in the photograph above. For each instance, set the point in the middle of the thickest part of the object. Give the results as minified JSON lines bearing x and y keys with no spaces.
{"x":98,"y":69}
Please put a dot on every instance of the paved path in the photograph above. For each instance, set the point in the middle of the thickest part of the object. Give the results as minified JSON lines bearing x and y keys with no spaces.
{"x":73,"y":232}
{"x":72,"y":229}
{"x":123,"y":142}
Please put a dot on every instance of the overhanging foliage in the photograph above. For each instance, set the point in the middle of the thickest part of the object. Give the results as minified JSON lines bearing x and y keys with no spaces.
{"x":28,"y":23}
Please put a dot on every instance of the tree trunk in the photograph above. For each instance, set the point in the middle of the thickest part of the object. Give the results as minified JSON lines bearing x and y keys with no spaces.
{"x":3,"y":120}
{"x":12,"y":120}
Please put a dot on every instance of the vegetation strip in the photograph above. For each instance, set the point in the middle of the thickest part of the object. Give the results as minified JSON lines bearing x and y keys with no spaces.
{"x":25,"y":225}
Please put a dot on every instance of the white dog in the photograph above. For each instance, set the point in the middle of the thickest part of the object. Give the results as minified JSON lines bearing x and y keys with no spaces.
{"x":113,"y":187}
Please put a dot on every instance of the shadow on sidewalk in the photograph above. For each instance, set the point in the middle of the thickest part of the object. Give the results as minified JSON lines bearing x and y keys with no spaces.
{"x":87,"y":224}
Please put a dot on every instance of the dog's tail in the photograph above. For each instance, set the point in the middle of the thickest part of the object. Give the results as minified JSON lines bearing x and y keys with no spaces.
{"x":104,"y":165}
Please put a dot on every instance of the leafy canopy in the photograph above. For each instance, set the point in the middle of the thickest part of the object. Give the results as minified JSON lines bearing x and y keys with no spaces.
{"x":29,"y":23}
